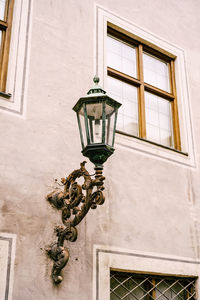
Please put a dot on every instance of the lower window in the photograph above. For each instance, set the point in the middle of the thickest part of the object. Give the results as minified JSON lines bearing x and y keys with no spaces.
{"x":130,"y":286}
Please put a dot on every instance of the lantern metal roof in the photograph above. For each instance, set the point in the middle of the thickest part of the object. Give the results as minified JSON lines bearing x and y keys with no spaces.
{"x":94,"y":95}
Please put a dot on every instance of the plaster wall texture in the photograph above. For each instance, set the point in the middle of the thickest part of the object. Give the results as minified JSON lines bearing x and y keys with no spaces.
{"x":151,"y":204}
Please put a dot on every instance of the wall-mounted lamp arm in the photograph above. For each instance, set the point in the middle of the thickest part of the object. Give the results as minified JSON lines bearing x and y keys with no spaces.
{"x":75,"y":201}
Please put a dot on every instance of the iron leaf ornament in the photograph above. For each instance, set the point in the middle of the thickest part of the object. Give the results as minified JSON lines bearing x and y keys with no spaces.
{"x":74,"y":201}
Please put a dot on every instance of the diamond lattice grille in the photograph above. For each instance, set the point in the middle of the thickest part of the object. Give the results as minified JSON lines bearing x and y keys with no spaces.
{"x":128,"y":286}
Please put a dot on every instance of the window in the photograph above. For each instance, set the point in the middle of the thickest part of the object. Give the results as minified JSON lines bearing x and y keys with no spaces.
{"x":143,"y":80}
{"x":157,"y":119}
{"x":143,"y":275}
{"x":6,"y":14}
{"x":130,"y":286}
{"x":15,"y":36}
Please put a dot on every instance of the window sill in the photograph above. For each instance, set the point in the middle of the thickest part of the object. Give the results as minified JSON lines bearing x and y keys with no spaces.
{"x":151,"y":142}
{"x":149,"y":148}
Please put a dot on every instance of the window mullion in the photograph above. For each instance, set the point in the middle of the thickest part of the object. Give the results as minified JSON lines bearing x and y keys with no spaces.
{"x":122,"y":77}
{"x":153,"y":292}
{"x":158,"y":92}
{"x":141,"y":101}
{"x":6,"y":15}
{"x":177,"y":141}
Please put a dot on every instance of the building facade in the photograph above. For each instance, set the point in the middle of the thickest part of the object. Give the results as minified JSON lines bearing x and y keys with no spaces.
{"x":144,"y":241}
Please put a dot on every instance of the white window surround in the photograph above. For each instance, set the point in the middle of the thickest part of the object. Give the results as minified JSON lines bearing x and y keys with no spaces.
{"x":104,"y":16}
{"x":18,"y":57}
{"x":106,"y":258}
{"x":7,"y":260}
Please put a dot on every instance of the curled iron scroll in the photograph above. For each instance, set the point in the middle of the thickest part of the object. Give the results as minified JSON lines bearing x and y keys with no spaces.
{"x":74,"y":201}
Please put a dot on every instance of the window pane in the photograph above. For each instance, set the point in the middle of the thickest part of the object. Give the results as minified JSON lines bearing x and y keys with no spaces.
{"x":110,"y":123}
{"x":1,"y":45}
{"x":163,"y":291}
{"x":156,"y":72}
{"x":158,"y":120}
{"x":94,"y":113}
{"x":0,"y":37}
{"x":2,"y":9}
{"x":178,"y":291}
{"x":121,"y":56}
{"x":127,"y":120}
{"x":127,"y":286}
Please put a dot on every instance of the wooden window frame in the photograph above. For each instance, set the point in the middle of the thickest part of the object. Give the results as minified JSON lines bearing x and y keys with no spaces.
{"x":5,"y":27}
{"x":143,"y":86}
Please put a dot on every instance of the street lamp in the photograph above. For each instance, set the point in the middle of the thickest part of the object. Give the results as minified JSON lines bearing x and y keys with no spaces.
{"x":97,"y":117}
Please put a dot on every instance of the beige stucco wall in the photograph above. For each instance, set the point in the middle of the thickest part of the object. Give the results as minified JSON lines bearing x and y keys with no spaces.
{"x":151,"y":204}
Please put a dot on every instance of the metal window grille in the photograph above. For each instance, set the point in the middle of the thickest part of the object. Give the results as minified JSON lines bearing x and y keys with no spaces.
{"x":128,"y":286}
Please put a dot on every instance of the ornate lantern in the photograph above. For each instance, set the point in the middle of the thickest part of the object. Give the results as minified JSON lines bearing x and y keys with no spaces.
{"x":97,"y":117}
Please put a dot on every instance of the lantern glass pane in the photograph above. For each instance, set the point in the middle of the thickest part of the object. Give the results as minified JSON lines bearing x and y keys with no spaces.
{"x":100,"y":132}
{"x":94,"y":113}
{"x":95,"y":128}
{"x":82,"y":128}
{"x":110,"y":126}
{"x":109,"y":110}
{"x":94,"y":110}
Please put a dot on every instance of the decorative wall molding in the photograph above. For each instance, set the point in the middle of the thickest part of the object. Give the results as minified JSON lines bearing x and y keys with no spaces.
{"x":106,"y":258}
{"x":7,"y":258}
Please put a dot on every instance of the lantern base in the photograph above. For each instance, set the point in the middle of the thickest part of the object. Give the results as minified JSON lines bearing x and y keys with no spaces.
{"x":98,"y":153}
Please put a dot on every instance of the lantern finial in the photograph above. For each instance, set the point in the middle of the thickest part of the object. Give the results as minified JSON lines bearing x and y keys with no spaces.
{"x":96,"y":79}
{"x":96,"y":89}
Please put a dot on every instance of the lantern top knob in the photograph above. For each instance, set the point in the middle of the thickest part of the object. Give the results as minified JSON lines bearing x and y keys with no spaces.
{"x":96,"y":89}
{"x":96,"y":79}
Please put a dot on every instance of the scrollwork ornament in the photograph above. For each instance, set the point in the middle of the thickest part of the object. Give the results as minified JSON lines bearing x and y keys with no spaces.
{"x":74,"y":201}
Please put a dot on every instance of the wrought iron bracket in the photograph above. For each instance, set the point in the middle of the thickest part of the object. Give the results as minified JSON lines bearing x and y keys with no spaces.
{"x":74,"y":201}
